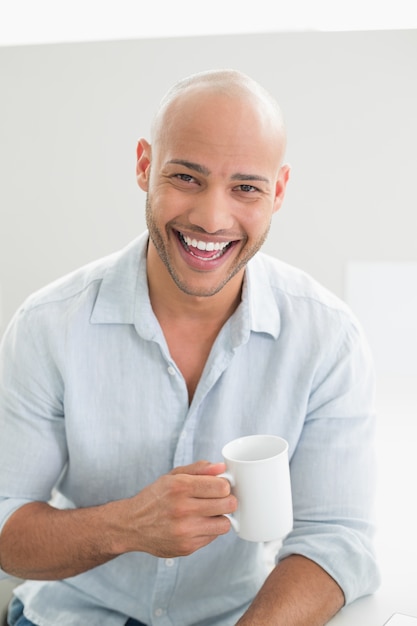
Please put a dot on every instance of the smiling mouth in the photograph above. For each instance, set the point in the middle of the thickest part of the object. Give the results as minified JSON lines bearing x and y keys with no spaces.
{"x":204,"y":250}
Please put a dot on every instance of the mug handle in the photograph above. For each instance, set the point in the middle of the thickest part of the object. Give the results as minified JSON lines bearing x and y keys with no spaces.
{"x":234,"y":522}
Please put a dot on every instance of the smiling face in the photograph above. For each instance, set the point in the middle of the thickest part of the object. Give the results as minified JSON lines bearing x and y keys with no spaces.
{"x":214,"y":179}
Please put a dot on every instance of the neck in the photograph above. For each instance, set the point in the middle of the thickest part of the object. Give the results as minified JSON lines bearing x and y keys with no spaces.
{"x":168,"y":299}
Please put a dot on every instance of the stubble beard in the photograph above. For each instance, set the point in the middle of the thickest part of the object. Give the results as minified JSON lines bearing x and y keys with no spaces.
{"x":158,"y":241}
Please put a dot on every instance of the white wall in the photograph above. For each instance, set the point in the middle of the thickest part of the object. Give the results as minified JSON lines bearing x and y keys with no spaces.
{"x":70,"y":115}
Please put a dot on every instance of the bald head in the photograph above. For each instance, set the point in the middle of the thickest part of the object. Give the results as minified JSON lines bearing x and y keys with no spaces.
{"x":230,"y":84}
{"x":213,"y":173}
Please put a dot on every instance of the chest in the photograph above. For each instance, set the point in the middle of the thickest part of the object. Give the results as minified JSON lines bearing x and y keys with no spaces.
{"x":190,"y":347}
{"x":128,"y":420}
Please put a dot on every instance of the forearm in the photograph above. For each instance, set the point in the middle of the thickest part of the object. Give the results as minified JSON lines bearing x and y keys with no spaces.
{"x":40,"y":542}
{"x":180,"y":513}
{"x":298,"y":592}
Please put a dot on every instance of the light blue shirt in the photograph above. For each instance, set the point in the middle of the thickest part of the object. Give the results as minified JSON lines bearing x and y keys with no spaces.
{"x":93,"y":408}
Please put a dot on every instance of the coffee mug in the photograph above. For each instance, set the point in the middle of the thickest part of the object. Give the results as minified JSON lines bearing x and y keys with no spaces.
{"x":259,"y":475}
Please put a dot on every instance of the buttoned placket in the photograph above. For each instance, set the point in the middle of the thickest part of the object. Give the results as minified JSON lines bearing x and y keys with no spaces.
{"x":168,"y":569}
{"x":164,"y":587}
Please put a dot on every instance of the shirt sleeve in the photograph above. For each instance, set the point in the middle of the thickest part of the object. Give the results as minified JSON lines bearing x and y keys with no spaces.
{"x":33,"y":450}
{"x":333,"y":469}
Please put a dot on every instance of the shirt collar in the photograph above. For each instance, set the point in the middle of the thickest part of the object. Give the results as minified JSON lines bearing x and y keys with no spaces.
{"x":263,"y":307}
{"x":123,"y":296}
{"x":122,"y":282}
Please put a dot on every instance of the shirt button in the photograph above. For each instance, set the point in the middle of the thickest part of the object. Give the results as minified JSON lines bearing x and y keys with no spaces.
{"x":171,"y":371}
{"x":159,"y":612}
{"x":169,"y":562}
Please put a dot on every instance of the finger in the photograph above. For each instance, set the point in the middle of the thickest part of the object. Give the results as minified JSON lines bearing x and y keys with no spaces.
{"x":200,"y":468}
{"x":208,"y":530}
{"x":215,"y":526}
{"x":220,"y":506}
{"x":199,"y":487}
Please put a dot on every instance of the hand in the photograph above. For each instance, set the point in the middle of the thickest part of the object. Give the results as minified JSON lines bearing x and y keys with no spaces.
{"x":180,"y":512}
{"x":176,"y":515}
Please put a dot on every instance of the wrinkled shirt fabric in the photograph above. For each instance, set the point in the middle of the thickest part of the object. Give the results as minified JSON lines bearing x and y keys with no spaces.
{"x":93,"y":408}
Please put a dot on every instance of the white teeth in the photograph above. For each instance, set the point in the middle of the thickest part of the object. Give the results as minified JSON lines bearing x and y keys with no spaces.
{"x":205,"y":245}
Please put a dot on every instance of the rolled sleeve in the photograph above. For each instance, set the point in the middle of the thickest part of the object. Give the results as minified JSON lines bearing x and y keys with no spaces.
{"x":33,"y":451}
{"x":333,"y":471}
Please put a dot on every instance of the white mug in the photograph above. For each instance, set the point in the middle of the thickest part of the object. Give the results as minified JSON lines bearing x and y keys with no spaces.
{"x":259,"y":475}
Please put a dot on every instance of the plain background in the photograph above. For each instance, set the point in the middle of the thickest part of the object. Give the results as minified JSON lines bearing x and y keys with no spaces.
{"x":70,"y":117}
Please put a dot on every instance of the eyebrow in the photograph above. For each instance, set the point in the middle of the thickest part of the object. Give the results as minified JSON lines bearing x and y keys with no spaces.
{"x":192,"y":166}
{"x":239,"y":176}
{"x":204,"y":170}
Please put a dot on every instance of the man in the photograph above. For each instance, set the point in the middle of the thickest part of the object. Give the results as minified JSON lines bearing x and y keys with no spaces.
{"x":121,"y":383}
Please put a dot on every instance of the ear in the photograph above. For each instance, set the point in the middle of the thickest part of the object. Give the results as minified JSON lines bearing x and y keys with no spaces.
{"x":143,"y":163}
{"x":281,"y":185}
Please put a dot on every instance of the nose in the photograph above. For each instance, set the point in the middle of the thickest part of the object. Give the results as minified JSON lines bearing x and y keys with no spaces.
{"x":212,"y":211}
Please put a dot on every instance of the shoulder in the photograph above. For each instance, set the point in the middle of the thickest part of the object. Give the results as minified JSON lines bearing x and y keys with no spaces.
{"x":300,"y":299}
{"x":84,"y":282}
{"x":289,"y":282}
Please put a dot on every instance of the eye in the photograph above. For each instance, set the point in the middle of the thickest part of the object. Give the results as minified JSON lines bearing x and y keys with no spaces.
{"x":247,"y":188}
{"x":187,"y":178}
